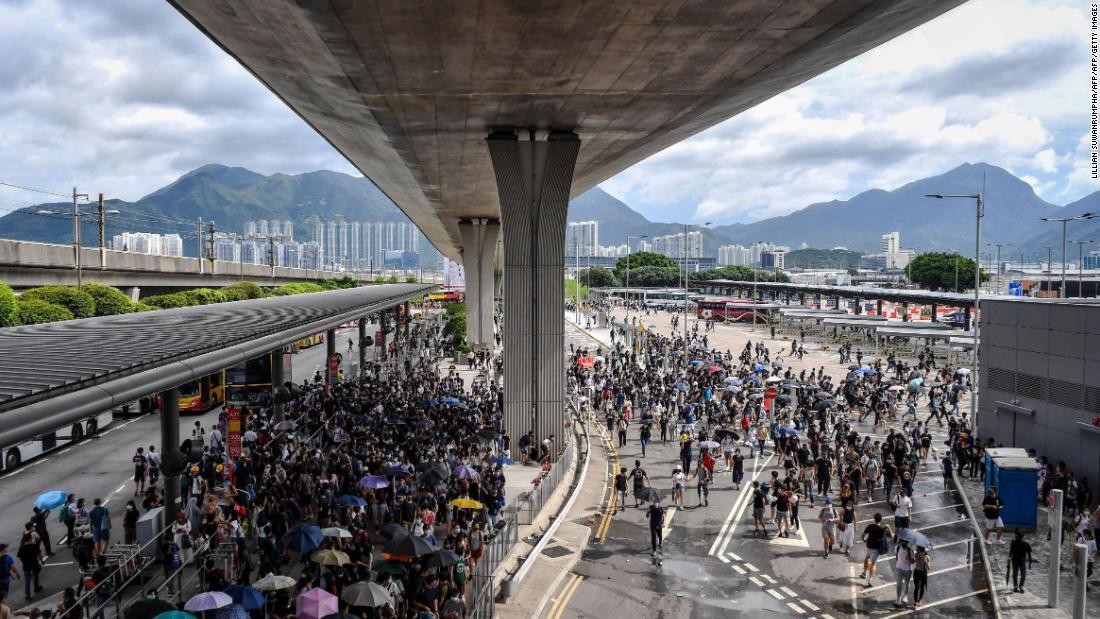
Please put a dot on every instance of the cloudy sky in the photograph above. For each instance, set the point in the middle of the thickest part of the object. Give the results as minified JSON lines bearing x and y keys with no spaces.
{"x":124,"y":96}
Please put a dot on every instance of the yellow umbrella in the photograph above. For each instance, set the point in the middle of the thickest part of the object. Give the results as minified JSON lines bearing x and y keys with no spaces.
{"x":330,"y":557}
{"x":467,"y":504}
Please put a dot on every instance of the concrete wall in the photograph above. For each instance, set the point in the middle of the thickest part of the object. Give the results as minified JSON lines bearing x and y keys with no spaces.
{"x":1040,"y":380}
{"x":24,"y":264}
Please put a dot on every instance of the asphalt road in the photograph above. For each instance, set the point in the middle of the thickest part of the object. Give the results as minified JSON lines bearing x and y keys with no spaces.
{"x":714,"y":566}
{"x":100,"y":467}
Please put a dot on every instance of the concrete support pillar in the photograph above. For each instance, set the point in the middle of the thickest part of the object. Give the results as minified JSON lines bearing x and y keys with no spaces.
{"x":801,"y":298}
{"x":935,"y":312}
{"x":330,"y":349}
{"x":879,"y":307}
{"x":479,"y":245}
{"x":859,"y":306}
{"x":362,"y":343}
{"x":383,"y":322}
{"x":966,"y":323}
{"x":169,"y":446}
{"x":133,"y":292}
{"x":534,"y":176}
{"x":278,"y":391}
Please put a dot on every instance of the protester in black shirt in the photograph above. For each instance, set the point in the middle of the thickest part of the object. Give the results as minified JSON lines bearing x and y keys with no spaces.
{"x":1019,"y":558}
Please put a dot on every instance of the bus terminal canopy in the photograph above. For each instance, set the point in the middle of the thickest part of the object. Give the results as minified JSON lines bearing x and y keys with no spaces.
{"x":895,"y":295}
{"x":56,"y":373}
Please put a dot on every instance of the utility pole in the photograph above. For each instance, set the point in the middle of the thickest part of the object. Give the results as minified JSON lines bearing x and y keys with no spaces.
{"x":1081,"y":267}
{"x":271,"y":255}
{"x":202,"y":252}
{"x":1050,"y":269}
{"x":102,"y":235}
{"x":210,"y":249}
{"x":76,"y":236}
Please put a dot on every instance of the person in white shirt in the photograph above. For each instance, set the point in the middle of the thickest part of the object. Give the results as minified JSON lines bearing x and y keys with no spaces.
{"x":903,"y":510}
{"x":903,"y":571}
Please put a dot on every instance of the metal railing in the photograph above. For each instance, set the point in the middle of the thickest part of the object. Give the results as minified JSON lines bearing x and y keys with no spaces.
{"x":481,"y":594}
{"x":987,"y":567}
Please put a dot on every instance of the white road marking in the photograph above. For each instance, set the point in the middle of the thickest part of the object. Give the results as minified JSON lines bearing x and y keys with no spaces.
{"x":84,"y":442}
{"x":66,"y":450}
{"x":57,"y":564}
{"x":106,"y":501}
{"x":775,"y":594}
{"x":751,"y":567}
{"x":788,"y":592}
{"x":937,"y":547}
{"x":668,"y":521}
{"x":740,"y":570}
{"x":743,"y":502}
{"x":942,"y":524}
{"x":36,"y":463}
{"x":798,"y":540}
{"x":119,"y":489}
{"x":810,"y":605}
{"x":734,"y":556}
{"x":936,"y":603}
{"x":930,"y":574}
{"x":15,"y":472}
{"x":861,"y":505}
{"x":723,"y":559}
{"x":796,"y":608}
{"x":756,"y":581}
{"x":923,"y":511}
{"x":854,"y":590}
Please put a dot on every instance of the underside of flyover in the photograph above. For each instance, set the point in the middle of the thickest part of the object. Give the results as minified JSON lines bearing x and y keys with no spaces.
{"x":498,"y":111}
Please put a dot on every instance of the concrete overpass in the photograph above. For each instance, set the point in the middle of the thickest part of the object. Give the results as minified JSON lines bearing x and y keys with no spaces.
{"x":479,"y":115}
{"x":24,"y":264}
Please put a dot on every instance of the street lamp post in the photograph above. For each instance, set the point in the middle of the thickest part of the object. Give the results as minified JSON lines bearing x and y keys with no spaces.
{"x":686,"y":278}
{"x":1081,"y":266}
{"x":756,"y":244}
{"x":1065,"y":224}
{"x":979,"y":212}
{"x":644,"y":236}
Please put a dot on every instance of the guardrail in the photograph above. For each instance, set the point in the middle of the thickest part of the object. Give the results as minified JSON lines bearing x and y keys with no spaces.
{"x":481,"y":596}
{"x":987,"y":567}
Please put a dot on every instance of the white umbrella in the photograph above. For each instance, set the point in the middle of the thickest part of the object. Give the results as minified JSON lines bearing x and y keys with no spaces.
{"x":274,"y":582}
{"x":209,"y":600}
{"x":336,"y":532}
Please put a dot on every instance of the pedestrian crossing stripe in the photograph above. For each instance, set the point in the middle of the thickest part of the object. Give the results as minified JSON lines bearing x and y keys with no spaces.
{"x":796,"y":608}
{"x":756,"y":581}
{"x":751,"y":567}
{"x":775,"y":594}
{"x":788,"y":592}
{"x":723,"y":559}
{"x":768,"y":578}
{"x":740,"y":570}
{"x":799,"y":540}
{"x":810,"y":605}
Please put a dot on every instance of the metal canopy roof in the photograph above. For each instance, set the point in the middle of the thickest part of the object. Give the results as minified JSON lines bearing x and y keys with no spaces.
{"x":958,"y":299}
{"x":55,"y":373}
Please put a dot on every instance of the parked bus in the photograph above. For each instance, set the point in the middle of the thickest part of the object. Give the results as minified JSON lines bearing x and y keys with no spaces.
{"x":732,"y":310}
{"x":14,"y":455}
{"x":248,"y":382}
{"x":199,"y":396}
{"x":309,"y":340}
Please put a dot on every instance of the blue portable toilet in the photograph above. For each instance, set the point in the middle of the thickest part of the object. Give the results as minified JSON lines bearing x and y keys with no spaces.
{"x":1016,"y":482}
{"x":998,"y":452}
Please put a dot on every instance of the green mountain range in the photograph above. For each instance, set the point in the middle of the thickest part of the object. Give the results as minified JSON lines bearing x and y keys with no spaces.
{"x":228,"y":196}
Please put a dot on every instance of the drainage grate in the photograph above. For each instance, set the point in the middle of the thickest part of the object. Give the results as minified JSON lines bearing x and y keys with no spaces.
{"x":555,"y":551}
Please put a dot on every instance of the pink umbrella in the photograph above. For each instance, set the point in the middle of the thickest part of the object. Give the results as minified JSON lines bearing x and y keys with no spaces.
{"x":317,"y":603}
{"x":714,"y":368}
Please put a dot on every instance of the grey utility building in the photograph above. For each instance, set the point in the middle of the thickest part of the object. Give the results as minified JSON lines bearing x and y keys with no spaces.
{"x":1040,"y":379}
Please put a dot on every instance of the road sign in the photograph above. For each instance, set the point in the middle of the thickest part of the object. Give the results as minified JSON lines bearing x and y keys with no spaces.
{"x":333,"y":367}
{"x":233,"y":429}
{"x":771,"y":393}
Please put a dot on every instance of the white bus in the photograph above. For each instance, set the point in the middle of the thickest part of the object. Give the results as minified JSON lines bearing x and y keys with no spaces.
{"x":12,"y":456}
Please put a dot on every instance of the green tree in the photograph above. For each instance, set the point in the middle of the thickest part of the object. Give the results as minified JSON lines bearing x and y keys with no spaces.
{"x":204,"y":296}
{"x":9,"y":307}
{"x":109,"y":301}
{"x":599,"y":277}
{"x":168,"y":301}
{"x":242,"y":291}
{"x":33,"y":311}
{"x":79,"y":303}
{"x":411,"y":279}
{"x":641,"y":260}
{"x":654,"y":276}
{"x":936,"y":271}
{"x":297,"y":288}
{"x":571,"y":290}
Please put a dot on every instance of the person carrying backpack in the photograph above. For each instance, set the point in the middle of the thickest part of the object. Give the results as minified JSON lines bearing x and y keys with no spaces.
{"x":7,"y":570}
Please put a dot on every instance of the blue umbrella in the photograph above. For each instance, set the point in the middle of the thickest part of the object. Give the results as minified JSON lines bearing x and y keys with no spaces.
{"x":753,"y":378}
{"x":51,"y":500}
{"x":233,"y":611}
{"x":867,"y":371}
{"x":350,"y":500}
{"x":789,"y":432}
{"x":759,"y":367}
{"x":396,"y":422}
{"x":395,"y":470}
{"x":501,"y":460}
{"x":375,"y":481}
{"x":681,"y":386}
{"x":450,"y":400}
{"x":303,"y":538}
{"x":247,"y":597}
{"x":733,"y":381}
{"x":696,"y":362}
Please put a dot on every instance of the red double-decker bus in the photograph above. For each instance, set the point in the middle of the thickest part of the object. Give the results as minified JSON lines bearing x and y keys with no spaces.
{"x":732,"y":310}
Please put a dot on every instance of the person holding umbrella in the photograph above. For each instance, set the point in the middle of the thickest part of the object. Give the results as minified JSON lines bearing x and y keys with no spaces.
{"x":656,"y":515}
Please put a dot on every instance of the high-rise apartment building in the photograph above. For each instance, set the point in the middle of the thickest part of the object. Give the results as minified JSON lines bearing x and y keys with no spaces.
{"x":582,"y":238}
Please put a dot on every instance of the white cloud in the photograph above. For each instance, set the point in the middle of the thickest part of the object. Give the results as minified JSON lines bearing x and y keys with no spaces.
{"x":1045,"y":160}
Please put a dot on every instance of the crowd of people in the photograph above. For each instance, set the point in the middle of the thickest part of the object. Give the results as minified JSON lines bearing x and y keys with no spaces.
{"x":398,"y":470}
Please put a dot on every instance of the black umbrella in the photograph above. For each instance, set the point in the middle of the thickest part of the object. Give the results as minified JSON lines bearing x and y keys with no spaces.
{"x":490,"y":434}
{"x":824,"y":405}
{"x":783,"y":399}
{"x":147,"y":609}
{"x":393,"y":531}
{"x":854,"y":366}
{"x":408,"y":546}
{"x":442,"y":558}
{"x":431,"y":478}
{"x":649,"y":494}
{"x":722,"y":434}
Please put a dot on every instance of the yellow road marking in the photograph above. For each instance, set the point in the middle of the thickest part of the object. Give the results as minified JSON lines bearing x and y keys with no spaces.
{"x":562,"y":602}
